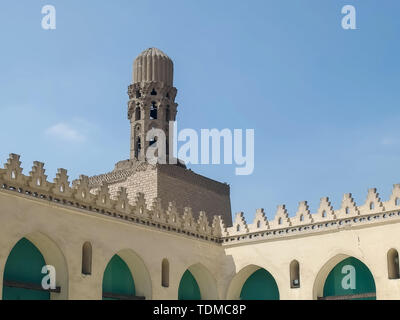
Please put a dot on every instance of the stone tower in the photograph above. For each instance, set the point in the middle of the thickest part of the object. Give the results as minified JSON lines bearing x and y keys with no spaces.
{"x":151,"y":100}
{"x":152,"y":105}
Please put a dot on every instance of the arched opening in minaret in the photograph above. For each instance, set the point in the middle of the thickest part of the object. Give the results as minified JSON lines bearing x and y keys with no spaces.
{"x":138,"y":115}
{"x":153,"y":111}
{"x":138,"y":147}
{"x":154,"y":92}
{"x":167,"y":114}
{"x":152,"y":141}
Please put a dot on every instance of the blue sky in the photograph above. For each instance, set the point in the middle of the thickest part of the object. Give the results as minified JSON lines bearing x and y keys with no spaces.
{"x":323,"y":101}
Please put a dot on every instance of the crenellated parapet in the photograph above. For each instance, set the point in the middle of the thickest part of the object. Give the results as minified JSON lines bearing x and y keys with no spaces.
{"x":326,"y":219}
{"x":80,"y":196}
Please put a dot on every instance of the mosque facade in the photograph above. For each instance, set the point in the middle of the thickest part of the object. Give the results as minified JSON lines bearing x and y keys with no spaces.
{"x":163,"y":232}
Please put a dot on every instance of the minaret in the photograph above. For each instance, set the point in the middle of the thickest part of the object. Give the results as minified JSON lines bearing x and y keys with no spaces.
{"x":151,"y":99}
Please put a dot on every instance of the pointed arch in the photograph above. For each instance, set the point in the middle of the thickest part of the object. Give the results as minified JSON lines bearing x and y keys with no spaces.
{"x":118,"y":283}
{"x":137,"y":270}
{"x":253,"y":282}
{"x":188,"y":287}
{"x":203,"y":280}
{"x":342,"y":277}
{"x":36,"y":248}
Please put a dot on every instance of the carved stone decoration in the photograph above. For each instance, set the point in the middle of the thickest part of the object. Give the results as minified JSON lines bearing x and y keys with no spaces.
{"x":103,"y":198}
{"x":325,"y":210}
{"x":394,"y":202}
{"x":37,"y":179}
{"x":303,"y":215}
{"x":281,"y":219}
{"x":174,"y":220}
{"x":151,"y":99}
{"x":140,"y":207}
{"x":13,"y":171}
{"x":82,"y":191}
{"x":159,"y":215}
{"x":203,"y":225}
{"x":188,"y":222}
{"x":239,"y":225}
{"x":122,"y":202}
{"x":218,"y":227}
{"x":260,"y":222}
{"x":348,"y":208}
{"x":61,"y":186}
{"x":373,"y":204}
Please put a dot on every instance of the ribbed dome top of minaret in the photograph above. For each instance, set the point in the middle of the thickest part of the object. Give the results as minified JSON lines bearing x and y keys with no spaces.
{"x":153,"y":65}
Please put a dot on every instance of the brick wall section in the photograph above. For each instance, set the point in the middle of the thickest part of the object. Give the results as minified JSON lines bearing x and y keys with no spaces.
{"x":141,"y":181}
{"x":189,"y":189}
{"x":186,"y":188}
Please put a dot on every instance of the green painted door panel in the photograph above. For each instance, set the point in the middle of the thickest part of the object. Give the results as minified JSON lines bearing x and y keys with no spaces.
{"x":188,"y":288}
{"x":118,"y":279}
{"x":349,"y":277}
{"x":261,"y":285}
{"x":24,"y":265}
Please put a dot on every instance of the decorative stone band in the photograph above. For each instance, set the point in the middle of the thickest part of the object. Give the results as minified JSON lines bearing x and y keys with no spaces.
{"x":79,"y":197}
{"x":146,"y":89}
{"x":313,"y":229}
{"x":111,"y":177}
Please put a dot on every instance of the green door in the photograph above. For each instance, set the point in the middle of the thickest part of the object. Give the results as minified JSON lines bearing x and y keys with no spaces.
{"x":350,"y":280}
{"x":261,"y":285}
{"x":117,"y":280}
{"x":188,"y":287}
{"x":24,"y":268}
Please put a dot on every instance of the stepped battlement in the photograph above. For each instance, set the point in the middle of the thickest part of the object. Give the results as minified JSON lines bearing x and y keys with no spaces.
{"x":80,"y":196}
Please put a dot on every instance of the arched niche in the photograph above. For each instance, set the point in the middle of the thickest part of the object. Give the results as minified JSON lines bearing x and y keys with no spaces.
{"x":44,"y":250}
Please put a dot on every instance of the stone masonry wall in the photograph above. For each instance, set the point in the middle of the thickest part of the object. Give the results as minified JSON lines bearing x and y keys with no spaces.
{"x":141,"y":181}
{"x":189,"y":189}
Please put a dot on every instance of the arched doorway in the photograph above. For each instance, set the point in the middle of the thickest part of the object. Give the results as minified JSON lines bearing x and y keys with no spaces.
{"x":350,"y":279}
{"x":261,"y":285}
{"x":197,"y":283}
{"x":126,"y":277}
{"x":188,"y":287}
{"x":23,"y":275}
{"x":118,"y":283}
{"x":244,"y":285}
